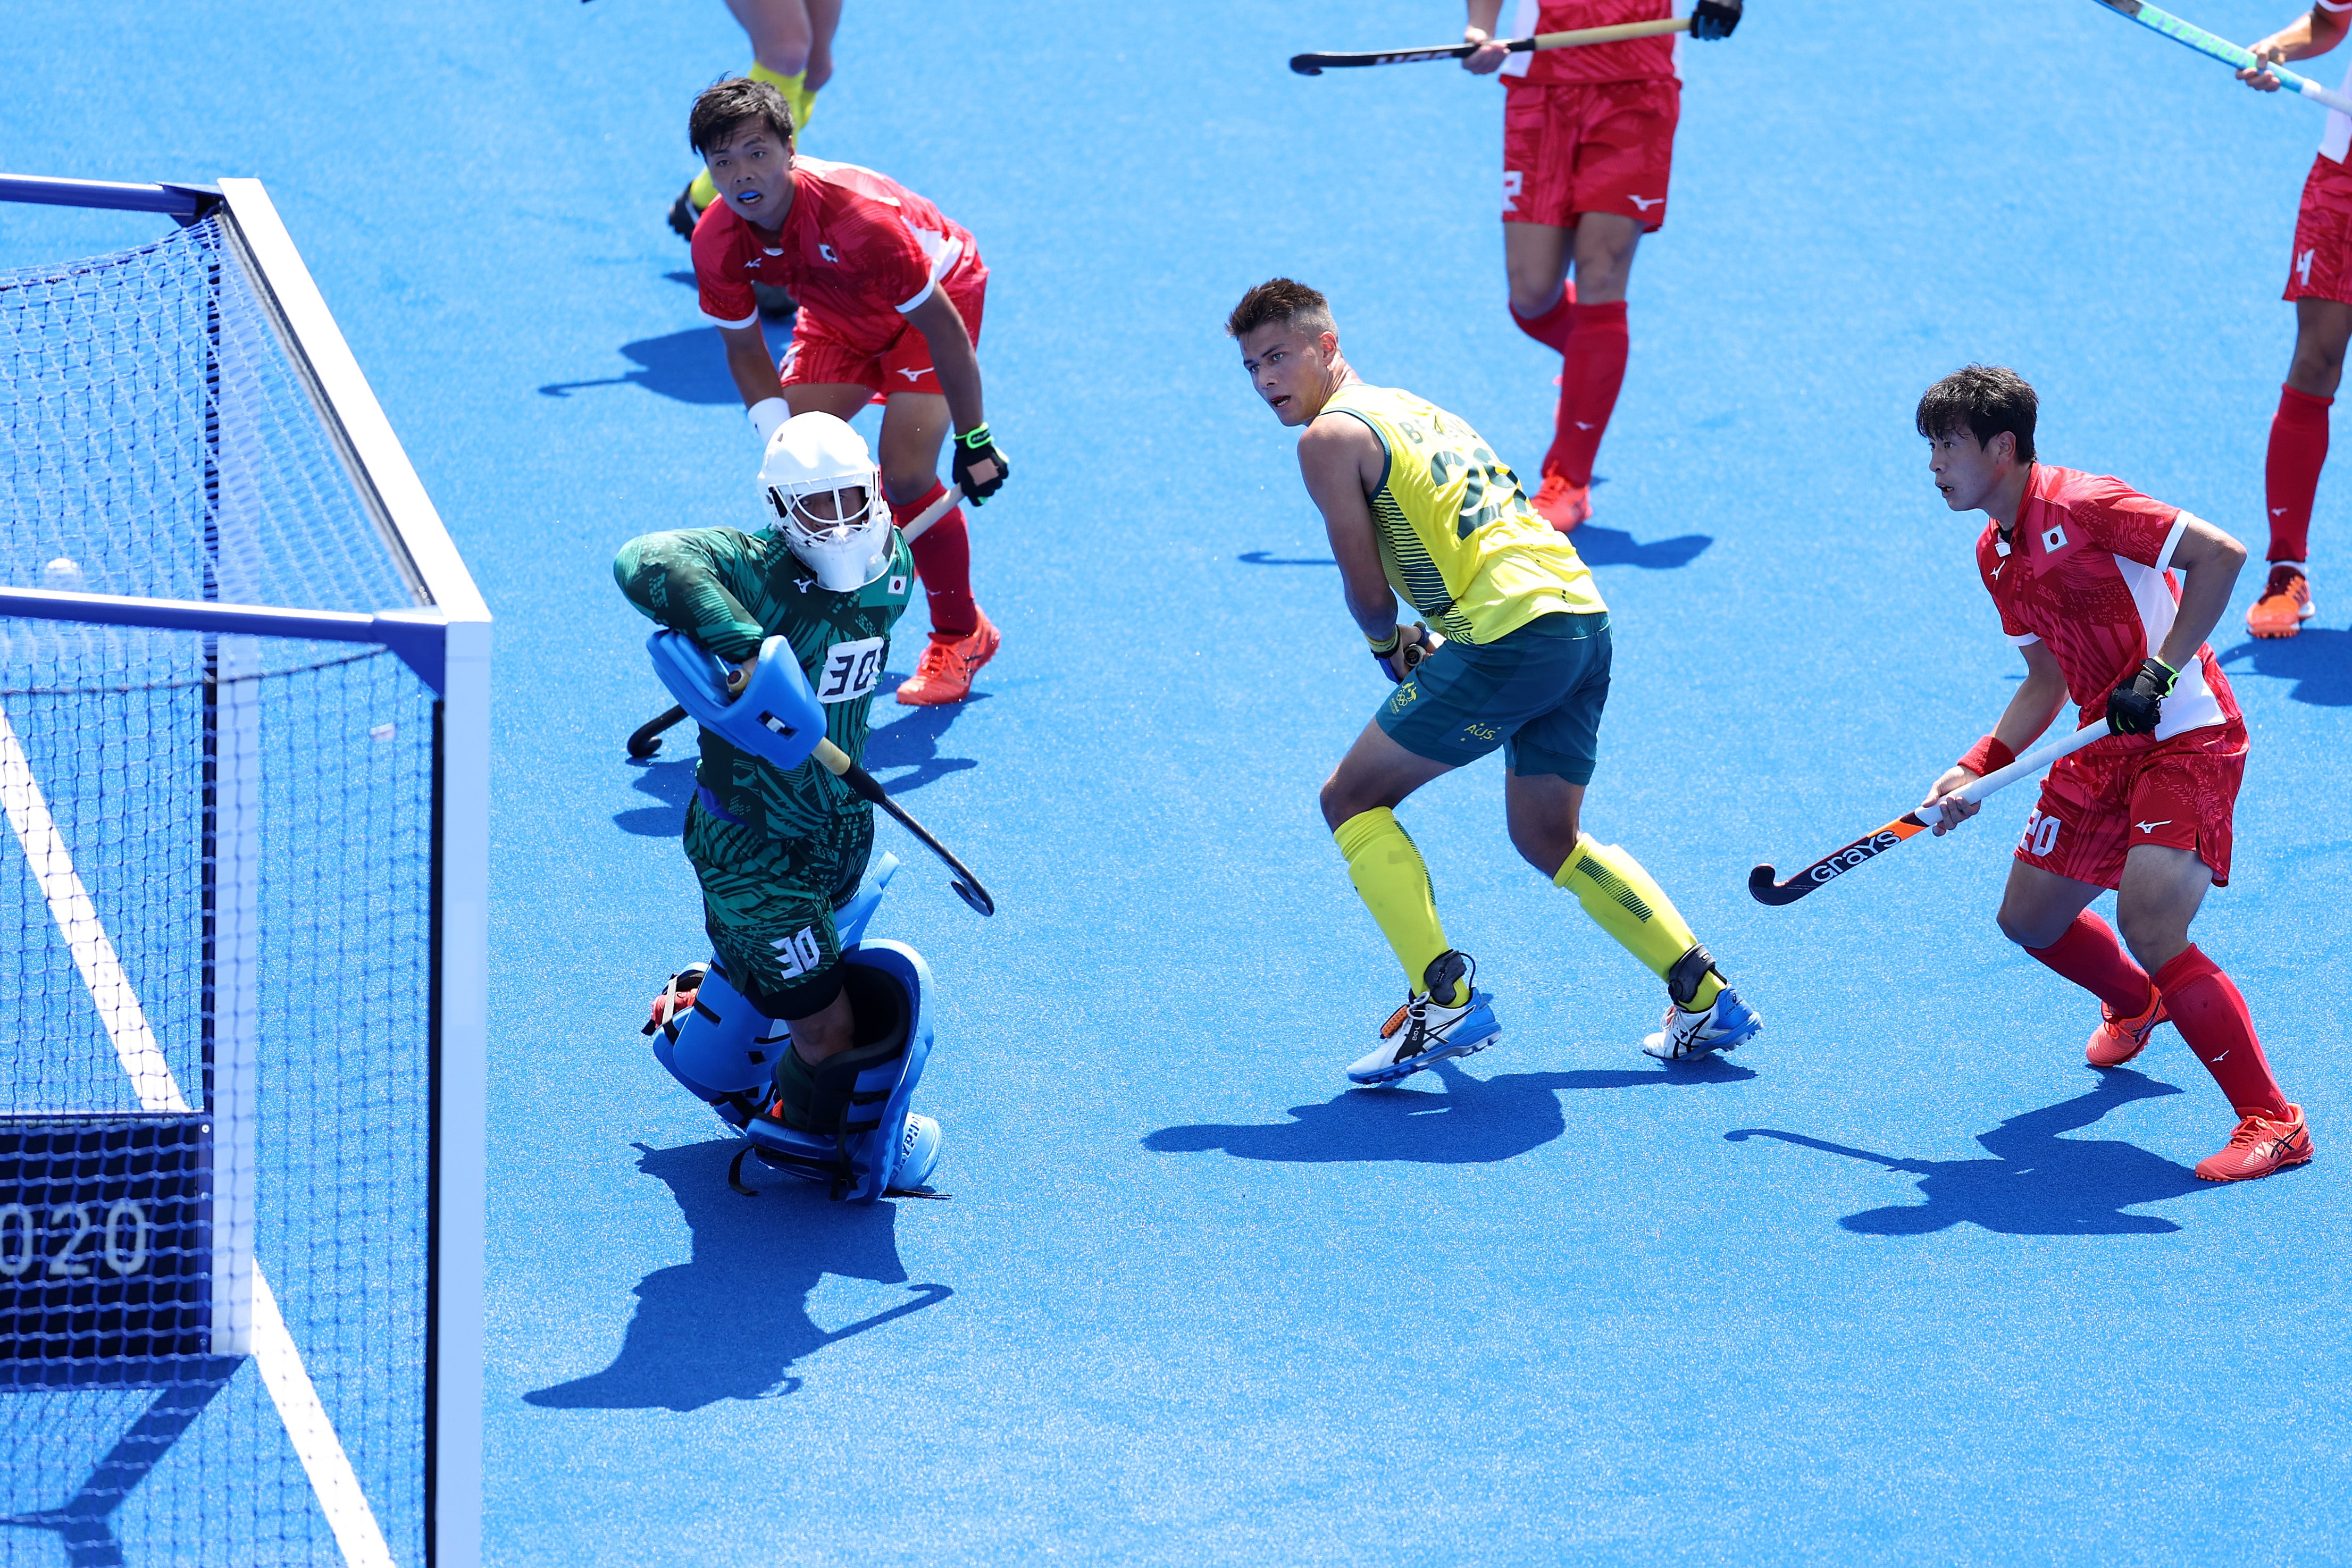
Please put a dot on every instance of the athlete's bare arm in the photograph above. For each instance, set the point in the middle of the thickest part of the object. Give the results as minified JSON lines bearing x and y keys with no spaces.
{"x":2315,"y":32}
{"x":748,"y":362}
{"x":1341,"y":459}
{"x":2030,"y":708}
{"x":1481,"y":30}
{"x":2208,"y":561}
{"x":952,"y":358}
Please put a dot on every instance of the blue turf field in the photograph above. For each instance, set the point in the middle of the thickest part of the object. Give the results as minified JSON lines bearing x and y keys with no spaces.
{"x":1904,"y":1283}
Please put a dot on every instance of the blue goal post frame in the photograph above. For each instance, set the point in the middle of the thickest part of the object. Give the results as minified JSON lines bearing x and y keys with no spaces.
{"x":447,"y":642}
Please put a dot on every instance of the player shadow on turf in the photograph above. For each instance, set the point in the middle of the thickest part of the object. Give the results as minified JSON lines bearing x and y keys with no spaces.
{"x":2038,"y":1183}
{"x":912,"y":740}
{"x":670,"y":781}
{"x":1614,"y":546}
{"x":1475,"y":1121}
{"x":681,"y":366}
{"x":732,"y":1322}
{"x":2317,"y":660}
{"x":84,"y":1523}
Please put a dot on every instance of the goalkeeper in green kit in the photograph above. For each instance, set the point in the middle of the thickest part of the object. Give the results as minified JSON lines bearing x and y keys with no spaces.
{"x":779,"y":851}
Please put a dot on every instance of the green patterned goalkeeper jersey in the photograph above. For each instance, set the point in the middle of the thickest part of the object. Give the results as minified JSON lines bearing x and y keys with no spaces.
{"x":731,"y":591}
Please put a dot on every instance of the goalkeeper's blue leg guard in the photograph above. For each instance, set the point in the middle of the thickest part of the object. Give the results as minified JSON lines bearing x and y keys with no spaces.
{"x":722,"y":1047}
{"x":856,"y":1132}
{"x":850,"y":920}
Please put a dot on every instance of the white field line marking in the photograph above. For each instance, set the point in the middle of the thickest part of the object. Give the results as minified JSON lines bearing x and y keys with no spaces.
{"x":289,"y":1386}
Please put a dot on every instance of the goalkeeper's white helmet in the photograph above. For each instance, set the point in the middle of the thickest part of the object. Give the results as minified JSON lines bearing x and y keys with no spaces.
{"x":821,"y":490}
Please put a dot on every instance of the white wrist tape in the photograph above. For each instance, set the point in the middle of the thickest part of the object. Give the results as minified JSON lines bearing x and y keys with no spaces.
{"x":768,"y":415}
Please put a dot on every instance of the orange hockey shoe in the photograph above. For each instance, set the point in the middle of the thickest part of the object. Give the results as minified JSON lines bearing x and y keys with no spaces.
{"x":1563,"y":504}
{"x":2285,"y":606}
{"x":2260,"y":1146}
{"x":944,"y":673}
{"x":2118,"y":1039}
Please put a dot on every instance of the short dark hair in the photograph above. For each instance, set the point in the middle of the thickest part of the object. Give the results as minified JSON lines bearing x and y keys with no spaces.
{"x":1983,"y":400}
{"x":1280,"y":300}
{"x":724,"y":106}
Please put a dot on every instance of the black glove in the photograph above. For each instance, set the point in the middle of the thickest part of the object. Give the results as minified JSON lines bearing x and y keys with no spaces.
{"x":979,"y":468}
{"x":1714,"y":18}
{"x":2136,"y":706}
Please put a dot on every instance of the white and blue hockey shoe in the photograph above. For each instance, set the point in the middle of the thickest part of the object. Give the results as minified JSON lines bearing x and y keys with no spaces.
{"x":1726,"y":1024}
{"x":1424,"y":1032}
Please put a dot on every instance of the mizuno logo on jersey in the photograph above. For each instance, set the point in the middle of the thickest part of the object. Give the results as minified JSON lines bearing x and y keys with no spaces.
{"x":2151,"y":826}
{"x":915,"y":375}
{"x":1643,"y":204}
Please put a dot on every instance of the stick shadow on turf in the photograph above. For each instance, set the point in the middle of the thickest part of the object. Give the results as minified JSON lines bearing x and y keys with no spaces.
{"x":1598,"y":546}
{"x":1475,"y":1121}
{"x":732,"y":1322}
{"x":2039,"y":1182}
{"x":910,"y":741}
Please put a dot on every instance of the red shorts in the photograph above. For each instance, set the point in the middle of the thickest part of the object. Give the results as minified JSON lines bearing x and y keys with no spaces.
{"x":2322,"y":267}
{"x":1591,"y":147}
{"x":820,"y":356}
{"x":2097,"y":804}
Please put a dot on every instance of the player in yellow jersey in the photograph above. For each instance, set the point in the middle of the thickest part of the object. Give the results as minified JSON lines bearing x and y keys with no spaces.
{"x":1417,"y":507}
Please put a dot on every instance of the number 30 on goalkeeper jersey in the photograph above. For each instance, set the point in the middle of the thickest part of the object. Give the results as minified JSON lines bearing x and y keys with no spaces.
{"x":1458,"y":540}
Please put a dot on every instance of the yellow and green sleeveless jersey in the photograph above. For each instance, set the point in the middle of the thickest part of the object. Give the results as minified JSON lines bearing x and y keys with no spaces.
{"x":1458,"y":540}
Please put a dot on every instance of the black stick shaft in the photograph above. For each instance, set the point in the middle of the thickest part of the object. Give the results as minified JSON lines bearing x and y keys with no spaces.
{"x":967,"y":886}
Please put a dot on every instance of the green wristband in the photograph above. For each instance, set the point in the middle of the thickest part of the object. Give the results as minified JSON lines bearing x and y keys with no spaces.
{"x":975,"y":438}
{"x":1384,"y":648}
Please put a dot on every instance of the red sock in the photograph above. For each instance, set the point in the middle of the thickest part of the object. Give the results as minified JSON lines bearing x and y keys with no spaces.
{"x":2298,"y":451}
{"x":1594,"y":368}
{"x":2212,"y":1017}
{"x":2089,"y":955}
{"x":1552,"y":328}
{"x":943,"y":561}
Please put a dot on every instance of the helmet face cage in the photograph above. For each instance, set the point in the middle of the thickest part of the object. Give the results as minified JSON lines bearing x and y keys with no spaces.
{"x":846,"y":551}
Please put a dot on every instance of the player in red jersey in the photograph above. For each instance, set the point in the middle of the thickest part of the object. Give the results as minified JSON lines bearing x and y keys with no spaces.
{"x":2320,"y":281}
{"x":890,"y":292}
{"x":2082,"y":567}
{"x":1587,"y":142}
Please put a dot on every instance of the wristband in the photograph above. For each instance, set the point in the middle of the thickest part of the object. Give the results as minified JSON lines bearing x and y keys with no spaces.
{"x":767,"y":416}
{"x":976,"y":439}
{"x":1385,"y":647}
{"x":1987,"y":755}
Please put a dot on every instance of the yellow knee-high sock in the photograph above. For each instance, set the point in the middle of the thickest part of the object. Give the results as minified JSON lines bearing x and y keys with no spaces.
{"x":1633,"y":909}
{"x":796,"y":92}
{"x":1394,"y":883}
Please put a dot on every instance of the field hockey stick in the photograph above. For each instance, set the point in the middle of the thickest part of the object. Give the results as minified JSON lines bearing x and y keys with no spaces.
{"x":967,"y":886}
{"x":2221,"y":50}
{"x":1314,"y":65}
{"x":1880,"y":840}
{"x":645,"y":740}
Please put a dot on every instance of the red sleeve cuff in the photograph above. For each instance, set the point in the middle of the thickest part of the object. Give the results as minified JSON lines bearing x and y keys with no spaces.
{"x":1987,"y":755}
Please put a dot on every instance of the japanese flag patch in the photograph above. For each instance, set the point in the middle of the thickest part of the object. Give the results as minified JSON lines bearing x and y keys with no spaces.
{"x":2054,"y":539}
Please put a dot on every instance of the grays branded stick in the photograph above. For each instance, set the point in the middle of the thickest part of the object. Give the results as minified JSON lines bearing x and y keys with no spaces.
{"x":1877,"y":842}
{"x":645,"y":740}
{"x":2221,"y":50}
{"x":1314,"y":65}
